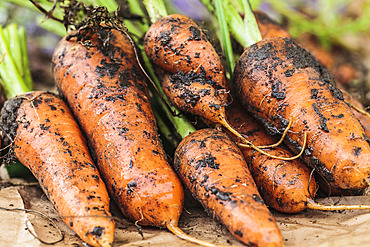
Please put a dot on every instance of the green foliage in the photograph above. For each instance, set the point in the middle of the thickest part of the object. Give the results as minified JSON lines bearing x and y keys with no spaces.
{"x":325,"y":19}
{"x":15,"y":76}
{"x":224,"y":35}
{"x":46,"y":23}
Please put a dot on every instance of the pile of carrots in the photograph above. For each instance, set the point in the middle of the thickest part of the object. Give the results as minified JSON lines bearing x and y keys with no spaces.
{"x":98,"y":139}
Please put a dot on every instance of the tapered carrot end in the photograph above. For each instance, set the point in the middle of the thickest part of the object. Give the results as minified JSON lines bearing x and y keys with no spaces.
{"x":311,"y":204}
{"x":172,"y":226}
{"x":94,"y":230}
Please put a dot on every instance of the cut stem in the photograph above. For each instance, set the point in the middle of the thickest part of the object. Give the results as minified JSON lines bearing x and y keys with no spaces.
{"x":156,"y":9}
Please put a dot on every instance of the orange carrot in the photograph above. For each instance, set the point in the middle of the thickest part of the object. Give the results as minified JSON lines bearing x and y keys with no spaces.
{"x":192,"y":75}
{"x":211,"y":165}
{"x":277,"y":80}
{"x":343,"y":73}
{"x":177,"y":45}
{"x":106,"y":92}
{"x":104,"y":86}
{"x":47,"y":140}
{"x":286,"y":186}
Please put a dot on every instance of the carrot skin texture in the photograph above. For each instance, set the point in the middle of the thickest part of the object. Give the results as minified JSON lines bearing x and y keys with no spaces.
{"x":211,"y":165}
{"x":49,"y":142}
{"x":195,"y":81}
{"x":284,"y":185}
{"x":176,"y":42}
{"x":277,"y":80}
{"x":342,"y":74}
{"x":106,"y":92}
{"x":270,"y":29}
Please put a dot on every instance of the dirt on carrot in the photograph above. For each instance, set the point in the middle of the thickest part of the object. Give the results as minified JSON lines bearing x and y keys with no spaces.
{"x":211,"y":165}
{"x":194,"y":77}
{"x":277,"y":81}
{"x":102,"y":82}
{"x":284,"y":185}
{"x":46,"y":139}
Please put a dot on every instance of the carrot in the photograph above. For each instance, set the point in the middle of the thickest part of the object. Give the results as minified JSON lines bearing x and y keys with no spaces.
{"x":105,"y":90}
{"x":277,"y":80}
{"x":286,"y":186}
{"x":177,"y":45}
{"x":47,"y":140}
{"x":211,"y":165}
{"x":103,"y":84}
{"x":342,"y":73}
{"x":269,"y":29}
{"x":193,"y":78}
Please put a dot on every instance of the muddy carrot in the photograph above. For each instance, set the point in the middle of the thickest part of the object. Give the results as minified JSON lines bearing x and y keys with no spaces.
{"x":211,"y":165}
{"x":285,"y":186}
{"x":46,"y":139}
{"x":177,"y":45}
{"x":277,"y":80}
{"x":194,"y":78}
{"x":107,"y":92}
{"x":109,"y":98}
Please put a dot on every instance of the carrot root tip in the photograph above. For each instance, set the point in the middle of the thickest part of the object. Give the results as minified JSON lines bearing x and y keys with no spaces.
{"x":311,"y":204}
{"x":172,"y":227}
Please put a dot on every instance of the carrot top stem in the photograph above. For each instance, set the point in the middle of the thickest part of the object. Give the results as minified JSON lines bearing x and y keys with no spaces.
{"x":225,"y":36}
{"x":135,"y":8}
{"x":110,"y":4}
{"x":156,"y":9}
{"x":14,"y":70}
{"x":165,"y":129}
{"x":236,"y":24}
{"x":244,"y":30}
{"x":15,"y":75}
